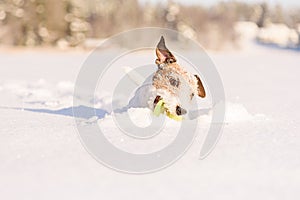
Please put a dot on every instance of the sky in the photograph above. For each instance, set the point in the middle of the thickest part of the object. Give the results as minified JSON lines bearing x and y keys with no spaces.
{"x":284,"y":3}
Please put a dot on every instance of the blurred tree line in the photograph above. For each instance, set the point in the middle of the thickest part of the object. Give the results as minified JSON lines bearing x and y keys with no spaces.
{"x":70,"y":22}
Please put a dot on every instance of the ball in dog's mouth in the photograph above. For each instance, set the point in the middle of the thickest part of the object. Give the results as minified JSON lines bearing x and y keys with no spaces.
{"x":160,"y":108}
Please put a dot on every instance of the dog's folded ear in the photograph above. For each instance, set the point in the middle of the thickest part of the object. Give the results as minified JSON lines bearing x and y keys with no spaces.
{"x":200,"y":88}
{"x":163,"y":54}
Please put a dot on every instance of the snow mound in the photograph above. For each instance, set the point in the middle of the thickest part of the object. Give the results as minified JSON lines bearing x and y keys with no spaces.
{"x":235,"y":113}
{"x":163,"y":136}
{"x":238,"y":113}
{"x":141,"y":117}
{"x":121,"y":135}
{"x":40,"y":93}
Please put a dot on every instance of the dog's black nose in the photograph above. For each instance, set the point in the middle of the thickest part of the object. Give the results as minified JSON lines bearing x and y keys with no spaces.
{"x":180,"y":111}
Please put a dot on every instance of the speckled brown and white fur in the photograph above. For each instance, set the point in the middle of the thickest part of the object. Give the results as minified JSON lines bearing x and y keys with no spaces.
{"x":172,"y":83}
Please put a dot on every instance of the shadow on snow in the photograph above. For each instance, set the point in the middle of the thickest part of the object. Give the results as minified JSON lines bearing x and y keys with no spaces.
{"x":79,"y":111}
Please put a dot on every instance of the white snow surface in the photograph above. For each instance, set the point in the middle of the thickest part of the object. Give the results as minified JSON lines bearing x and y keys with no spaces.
{"x":257,"y":157}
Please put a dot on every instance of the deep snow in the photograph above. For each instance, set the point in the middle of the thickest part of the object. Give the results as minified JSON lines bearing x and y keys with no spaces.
{"x":257,"y":157}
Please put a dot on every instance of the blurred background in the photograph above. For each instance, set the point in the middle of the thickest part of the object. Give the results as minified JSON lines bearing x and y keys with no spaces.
{"x":83,"y":23}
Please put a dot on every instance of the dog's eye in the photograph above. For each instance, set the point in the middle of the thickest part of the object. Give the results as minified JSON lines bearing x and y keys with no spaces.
{"x":170,"y":60}
{"x":174,"y":82}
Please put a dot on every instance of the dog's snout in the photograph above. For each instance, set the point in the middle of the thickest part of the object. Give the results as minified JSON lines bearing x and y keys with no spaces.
{"x":180,"y":111}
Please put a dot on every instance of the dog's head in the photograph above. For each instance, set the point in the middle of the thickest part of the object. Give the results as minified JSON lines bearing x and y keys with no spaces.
{"x":173,"y":84}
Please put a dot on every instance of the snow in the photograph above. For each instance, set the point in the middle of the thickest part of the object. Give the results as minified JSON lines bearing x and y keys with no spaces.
{"x":257,"y":157}
{"x":141,"y":117}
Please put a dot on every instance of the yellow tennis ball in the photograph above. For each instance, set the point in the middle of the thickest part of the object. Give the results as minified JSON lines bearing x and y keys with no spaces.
{"x":174,"y":117}
{"x":159,"y":108}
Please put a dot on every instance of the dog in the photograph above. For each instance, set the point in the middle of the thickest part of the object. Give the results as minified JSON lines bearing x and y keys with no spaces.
{"x":171,"y":83}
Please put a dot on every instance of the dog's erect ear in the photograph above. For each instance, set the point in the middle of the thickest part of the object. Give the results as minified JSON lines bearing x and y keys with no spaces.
{"x":163,"y":54}
{"x":200,"y":88}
